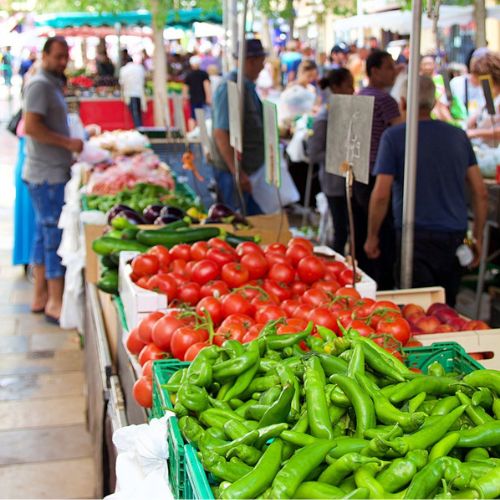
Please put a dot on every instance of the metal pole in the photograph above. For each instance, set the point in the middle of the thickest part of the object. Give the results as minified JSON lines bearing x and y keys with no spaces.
{"x":225,"y":23}
{"x":234,"y":31}
{"x":411,"y":149}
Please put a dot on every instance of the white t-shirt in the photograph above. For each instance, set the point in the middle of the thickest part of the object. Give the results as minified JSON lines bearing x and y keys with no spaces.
{"x":475,"y":94}
{"x":132,"y":77}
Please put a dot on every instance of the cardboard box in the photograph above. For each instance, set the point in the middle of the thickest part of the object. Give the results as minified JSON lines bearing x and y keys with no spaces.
{"x":423,"y":297}
{"x":110,"y":317}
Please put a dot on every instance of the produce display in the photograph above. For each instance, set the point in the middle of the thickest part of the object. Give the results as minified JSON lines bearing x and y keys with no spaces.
{"x":121,"y":142}
{"x":270,"y":421}
{"x":127,"y":171}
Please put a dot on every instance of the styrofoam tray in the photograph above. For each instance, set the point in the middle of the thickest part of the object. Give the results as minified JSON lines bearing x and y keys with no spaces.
{"x":137,"y":302}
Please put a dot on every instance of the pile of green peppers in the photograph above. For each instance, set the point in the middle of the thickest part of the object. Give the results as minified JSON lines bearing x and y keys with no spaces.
{"x":270,"y":420}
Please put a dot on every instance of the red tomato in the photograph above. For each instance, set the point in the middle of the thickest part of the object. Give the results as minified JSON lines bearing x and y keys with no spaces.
{"x":145,"y":327}
{"x":276,"y":247}
{"x":256,"y":264}
{"x":349,"y":296}
{"x":178,"y":266}
{"x":315,"y":297}
{"x":183,"y":338}
{"x":361,"y":327}
{"x":216,"y":289}
{"x":143,"y":392}
{"x":229,"y":331}
{"x":223,"y":245}
{"x":336,"y":267}
{"x":235,"y":274}
{"x":289,"y":306}
{"x":398,"y":328}
{"x":287,"y":329}
{"x":189,"y":268}
{"x":322,"y":316}
{"x":302,"y":312}
{"x":243,"y":319}
{"x":297,"y":252}
{"x":145,"y":265}
{"x":298,"y":288}
{"x":268,"y":313}
{"x":346,"y":277}
{"x":147,"y":369}
{"x":298,"y":240}
{"x":212,"y":306}
{"x":262,"y":300}
{"x":363,"y":308}
{"x":248,"y":247}
{"x":205,"y":270}
{"x":311,"y":269}
{"x":299,"y":323}
{"x":276,"y":258}
{"x":199,"y":250}
{"x":280,"y":290}
{"x":189,"y":293}
{"x":413,"y":343}
{"x":164,"y":283}
{"x":181,"y":251}
{"x":163,"y":256}
{"x":193,"y":351}
{"x":253,"y":333}
{"x":134,"y":342}
{"x":221,"y":256}
{"x":163,"y":330}
{"x":327,"y":286}
{"x":150,"y":351}
{"x":234,"y":303}
{"x":282,"y":273}
{"x":344,"y":317}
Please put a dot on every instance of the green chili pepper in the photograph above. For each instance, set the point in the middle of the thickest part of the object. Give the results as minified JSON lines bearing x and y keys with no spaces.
{"x":249,"y":438}
{"x":270,"y":395}
{"x":302,"y":423}
{"x":216,"y":433}
{"x":175,"y":381}
{"x":477,"y":414}
{"x":385,"y":432}
{"x":332,"y":364}
{"x":338,"y":470}
{"x":357,"y":362}
{"x":436,"y":369}
{"x":248,"y":454}
{"x":180,"y":410}
{"x":217,"y":403}
{"x":241,"y":410}
{"x":216,"y":417}
{"x":401,"y":471}
{"x":287,"y":377}
{"x":427,"y":383}
{"x":315,"y":489}
{"x":336,"y":413}
{"x":223,"y":390}
{"x":427,"y":479}
{"x":485,"y":435}
{"x":279,"y":342}
{"x":477,"y":454}
{"x":488,"y":486}
{"x":269,"y":432}
{"x":444,"y":446}
{"x":233,"y":348}
{"x":256,"y":411}
{"x":484,"y":378}
{"x":234,"y":429}
{"x":496,"y":408}
{"x":483,"y":397}
{"x":316,"y":403}
{"x":364,"y":477}
{"x":478,"y":469}
{"x":300,"y":465}
{"x":386,"y":412}
{"x":193,"y":398}
{"x":278,"y":412}
{"x":221,"y":468}
{"x":236,"y":366}
{"x":362,"y":403}
{"x":427,"y":436}
{"x":445,"y":405}
{"x":267,"y":365}
{"x":191,"y":429}
{"x":415,"y":402}
{"x":260,"y":384}
{"x":242,"y":382}
{"x":260,"y":477}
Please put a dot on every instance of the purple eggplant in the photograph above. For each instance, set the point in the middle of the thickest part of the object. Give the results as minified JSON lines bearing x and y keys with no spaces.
{"x":168,"y":210}
{"x":130,"y":216}
{"x":152,"y":212}
{"x":162,"y":220}
{"x":220,"y":213}
{"x":115,"y":210}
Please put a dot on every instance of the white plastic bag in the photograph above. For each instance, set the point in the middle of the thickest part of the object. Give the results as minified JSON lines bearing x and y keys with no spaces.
{"x":295,"y":148}
{"x":141,"y":465}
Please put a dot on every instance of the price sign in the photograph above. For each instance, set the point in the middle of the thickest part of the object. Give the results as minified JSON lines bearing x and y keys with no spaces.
{"x":349,"y":134}
{"x":272,"y":144}
{"x":233,"y":98}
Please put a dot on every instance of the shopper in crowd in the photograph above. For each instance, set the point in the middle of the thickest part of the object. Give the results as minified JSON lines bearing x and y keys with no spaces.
{"x":7,"y":66}
{"x":132,"y":79}
{"x":337,"y":81}
{"x":27,"y":63}
{"x":381,"y":72}
{"x":338,"y":55}
{"x":47,"y":169}
{"x":307,"y":77}
{"x":147,"y":61}
{"x":197,"y":88}
{"x":445,"y":164}
{"x":104,"y":65}
{"x":253,"y":133}
{"x":290,"y":60}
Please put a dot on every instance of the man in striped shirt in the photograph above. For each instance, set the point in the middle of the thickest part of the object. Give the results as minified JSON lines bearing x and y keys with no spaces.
{"x":381,"y":72}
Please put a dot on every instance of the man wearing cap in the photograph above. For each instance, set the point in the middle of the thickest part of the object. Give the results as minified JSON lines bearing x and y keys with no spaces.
{"x":253,"y":133}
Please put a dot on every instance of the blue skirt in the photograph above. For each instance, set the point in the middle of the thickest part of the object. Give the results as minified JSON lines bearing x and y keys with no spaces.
{"x":24,"y":217}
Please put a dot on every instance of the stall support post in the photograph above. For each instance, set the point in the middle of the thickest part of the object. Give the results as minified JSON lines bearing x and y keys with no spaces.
{"x":411,"y":149}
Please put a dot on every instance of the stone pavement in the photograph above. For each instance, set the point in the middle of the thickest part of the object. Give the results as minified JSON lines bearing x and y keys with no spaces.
{"x":45,"y":449}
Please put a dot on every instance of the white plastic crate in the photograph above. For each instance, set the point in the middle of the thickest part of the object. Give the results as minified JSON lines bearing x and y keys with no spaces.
{"x":137,"y":302}
{"x":367,"y":287}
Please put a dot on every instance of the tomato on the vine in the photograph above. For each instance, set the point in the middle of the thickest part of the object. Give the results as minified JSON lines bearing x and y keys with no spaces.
{"x":336,"y":267}
{"x":214,"y":288}
{"x":150,"y":351}
{"x":223,"y":245}
{"x":163,"y":256}
{"x":276,"y":258}
{"x":252,"y":333}
{"x":324,"y":317}
{"x":189,"y":293}
{"x":145,"y":265}
{"x":289,"y":306}
{"x":199,"y":250}
{"x":205,"y":270}
{"x":235,"y":274}
{"x":235,"y":303}
{"x":361,"y":327}
{"x":178,"y":266}
{"x":163,"y":330}
{"x":183,"y":338}
{"x":298,"y":288}
{"x":143,"y":392}
{"x":145,"y":326}
{"x":244,"y":319}
{"x":248,"y":247}
{"x":212,"y":306}
{"x":315,"y":297}
{"x":276,"y":247}
{"x":348,"y":296}
{"x":297,"y":252}
{"x":164,"y":283}
{"x":398,"y":328}
{"x":311,"y":269}
{"x":299,"y":240}
{"x":302,"y":311}
{"x":280,"y":290}
{"x":181,"y":251}
{"x":229,"y":331}
{"x":256,"y":264}
{"x":327,"y":286}
{"x":282,"y":273}
{"x":193,"y":350}
{"x":134,"y":342}
{"x":268,"y":313}
{"x":221,"y":255}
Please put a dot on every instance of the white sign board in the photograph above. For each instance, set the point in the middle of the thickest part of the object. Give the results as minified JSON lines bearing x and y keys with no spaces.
{"x":202,"y":125}
{"x":179,"y":118}
{"x":233,"y":101}
{"x":349,"y":134}
{"x":272,"y":144}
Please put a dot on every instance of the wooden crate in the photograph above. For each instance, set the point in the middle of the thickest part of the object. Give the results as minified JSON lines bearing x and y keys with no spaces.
{"x":423,"y":297}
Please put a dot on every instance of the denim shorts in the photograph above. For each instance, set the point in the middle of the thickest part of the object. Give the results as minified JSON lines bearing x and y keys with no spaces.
{"x":48,"y":200}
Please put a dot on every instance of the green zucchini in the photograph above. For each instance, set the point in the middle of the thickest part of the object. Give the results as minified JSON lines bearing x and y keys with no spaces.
{"x":234,"y":240}
{"x":109,"y":281}
{"x":106,"y":246}
{"x":108,"y":263}
{"x":130,"y":233}
{"x":171,"y":238}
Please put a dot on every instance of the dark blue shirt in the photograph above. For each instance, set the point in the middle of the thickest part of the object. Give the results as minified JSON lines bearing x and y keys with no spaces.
{"x":444,"y":155}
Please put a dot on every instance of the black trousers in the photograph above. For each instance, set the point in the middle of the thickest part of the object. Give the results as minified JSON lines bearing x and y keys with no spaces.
{"x":338,"y":209}
{"x":434,"y":261}
{"x":135,"y":109}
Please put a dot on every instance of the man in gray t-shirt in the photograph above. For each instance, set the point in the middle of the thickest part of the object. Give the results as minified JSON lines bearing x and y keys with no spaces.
{"x":49,"y":150}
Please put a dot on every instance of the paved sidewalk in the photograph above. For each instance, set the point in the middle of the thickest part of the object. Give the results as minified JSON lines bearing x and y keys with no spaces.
{"x":45,"y":450}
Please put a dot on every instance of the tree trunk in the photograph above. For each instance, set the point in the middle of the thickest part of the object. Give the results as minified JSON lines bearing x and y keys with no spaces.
{"x":480,"y":16}
{"x":159,"y":66}
{"x":291,"y":20}
{"x":265,"y":32}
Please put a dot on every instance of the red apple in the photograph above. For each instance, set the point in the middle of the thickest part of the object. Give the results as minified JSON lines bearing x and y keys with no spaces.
{"x":412,"y":309}
{"x":457,"y":323}
{"x":428,"y":324}
{"x":444,"y":328}
{"x":475,"y":325}
{"x":433,"y":308}
{"x":445,"y":315}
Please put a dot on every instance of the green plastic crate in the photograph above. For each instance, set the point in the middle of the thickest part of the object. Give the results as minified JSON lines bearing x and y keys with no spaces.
{"x":450,"y":355}
{"x":196,"y":487}
{"x":162,"y":371}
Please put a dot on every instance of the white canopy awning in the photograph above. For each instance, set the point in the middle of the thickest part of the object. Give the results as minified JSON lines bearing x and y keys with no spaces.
{"x":399,"y":21}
